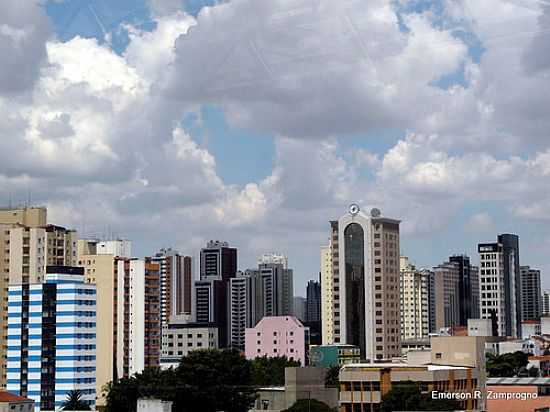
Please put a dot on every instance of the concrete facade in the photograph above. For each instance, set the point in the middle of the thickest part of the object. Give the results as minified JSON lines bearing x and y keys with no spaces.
{"x":300,"y":383}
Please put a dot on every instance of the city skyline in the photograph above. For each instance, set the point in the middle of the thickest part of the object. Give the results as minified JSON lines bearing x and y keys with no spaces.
{"x":119,"y":132}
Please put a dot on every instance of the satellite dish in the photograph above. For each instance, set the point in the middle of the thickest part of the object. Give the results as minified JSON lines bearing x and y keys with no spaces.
{"x":354,"y":209}
{"x":375,"y":212}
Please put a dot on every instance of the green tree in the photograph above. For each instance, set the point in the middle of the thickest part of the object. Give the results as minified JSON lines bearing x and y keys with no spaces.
{"x":205,"y":380}
{"x":215,"y":380}
{"x":309,"y":405}
{"x":408,"y":396}
{"x":506,"y":365}
{"x":332,"y":378}
{"x":271,"y":371}
{"x":74,"y":402}
{"x":122,"y":395}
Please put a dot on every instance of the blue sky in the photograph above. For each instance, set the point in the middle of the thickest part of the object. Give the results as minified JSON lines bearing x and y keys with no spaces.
{"x":429,"y":110}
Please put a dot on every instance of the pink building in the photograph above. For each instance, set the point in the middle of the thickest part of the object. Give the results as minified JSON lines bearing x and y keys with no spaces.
{"x":277,"y":336}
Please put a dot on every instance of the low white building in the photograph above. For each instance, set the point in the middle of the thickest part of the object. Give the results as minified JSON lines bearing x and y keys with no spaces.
{"x":480,"y":327}
{"x":530,"y":328}
{"x":153,"y":405}
{"x":180,"y":339}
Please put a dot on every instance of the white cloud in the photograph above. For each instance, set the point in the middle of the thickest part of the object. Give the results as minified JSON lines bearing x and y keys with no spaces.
{"x":480,"y":222}
{"x":24,"y":30}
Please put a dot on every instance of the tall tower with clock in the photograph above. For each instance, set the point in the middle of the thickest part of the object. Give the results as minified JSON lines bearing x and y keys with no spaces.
{"x":365,"y":284}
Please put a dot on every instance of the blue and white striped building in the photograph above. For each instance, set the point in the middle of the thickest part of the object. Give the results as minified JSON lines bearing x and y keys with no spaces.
{"x":52,"y":338}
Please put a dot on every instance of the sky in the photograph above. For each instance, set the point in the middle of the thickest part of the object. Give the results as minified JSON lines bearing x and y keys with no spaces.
{"x":172,"y":122}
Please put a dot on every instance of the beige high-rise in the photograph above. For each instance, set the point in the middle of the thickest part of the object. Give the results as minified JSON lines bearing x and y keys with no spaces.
{"x":446,"y":290}
{"x":11,"y":219}
{"x":365,"y":267}
{"x":128,"y":308}
{"x":415,"y":301}
{"x":327,"y":321}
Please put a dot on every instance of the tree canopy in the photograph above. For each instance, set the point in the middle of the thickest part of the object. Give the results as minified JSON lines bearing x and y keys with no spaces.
{"x":205,"y":380}
{"x":271,"y":371}
{"x":408,"y":397}
{"x":74,"y":402}
{"x":506,"y":365}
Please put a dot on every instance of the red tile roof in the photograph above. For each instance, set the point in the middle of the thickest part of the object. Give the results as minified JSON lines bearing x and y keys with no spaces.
{"x":10,"y":397}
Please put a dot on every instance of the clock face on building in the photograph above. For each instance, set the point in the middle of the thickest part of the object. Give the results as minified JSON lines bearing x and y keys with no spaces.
{"x":354,"y":209}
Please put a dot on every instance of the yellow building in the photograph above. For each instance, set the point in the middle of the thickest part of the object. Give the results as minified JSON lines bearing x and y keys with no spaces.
{"x":362,"y":386}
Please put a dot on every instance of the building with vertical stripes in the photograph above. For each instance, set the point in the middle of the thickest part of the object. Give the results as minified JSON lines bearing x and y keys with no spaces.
{"x":52,"y":338}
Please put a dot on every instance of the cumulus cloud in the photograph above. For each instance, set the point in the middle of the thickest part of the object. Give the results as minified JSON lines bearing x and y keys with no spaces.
{"x":24,"y":30}
{"x":99,"y":135}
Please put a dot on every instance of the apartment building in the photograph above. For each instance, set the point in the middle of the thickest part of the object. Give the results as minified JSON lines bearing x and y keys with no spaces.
{"x":531,"y":293}
{"x":415,"y":300}
{"x":500,"y":281}
{"x":28,"y":245}
{"x":277,"y":336}
{"x":179,"y":339}
{"x":176,"y":284}
{"x":52,"y":338}
{"x":128,"y":304}
{"x":446,"y":295}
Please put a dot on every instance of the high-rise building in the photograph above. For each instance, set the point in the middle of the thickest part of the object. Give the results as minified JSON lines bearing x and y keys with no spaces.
{"x":468,"y":289}
{"x":29,"y":244}
{"x":366,"y":283}
{"x":218,"y":261}
{"x":546,"y":303}
{"x":138,"y":319}
{"x":415,"y":301}
{"x":218,"y":264}
{"x":52,"y":338}
{"x":101,"y":270}
{"x":531,"y":305}
{"x":176,"y":284}
{"x":253,"y":294}
{"x":313,"y":302}
{"x":500,"y":282}
{"x":31,"y":249}
{"x":277,"y":285}
{"x":241,"y":308}
{"x":446,"y":284}
{"x":128,"y":305}
{"x":327,"y":321}
{"x":300,"y":308}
